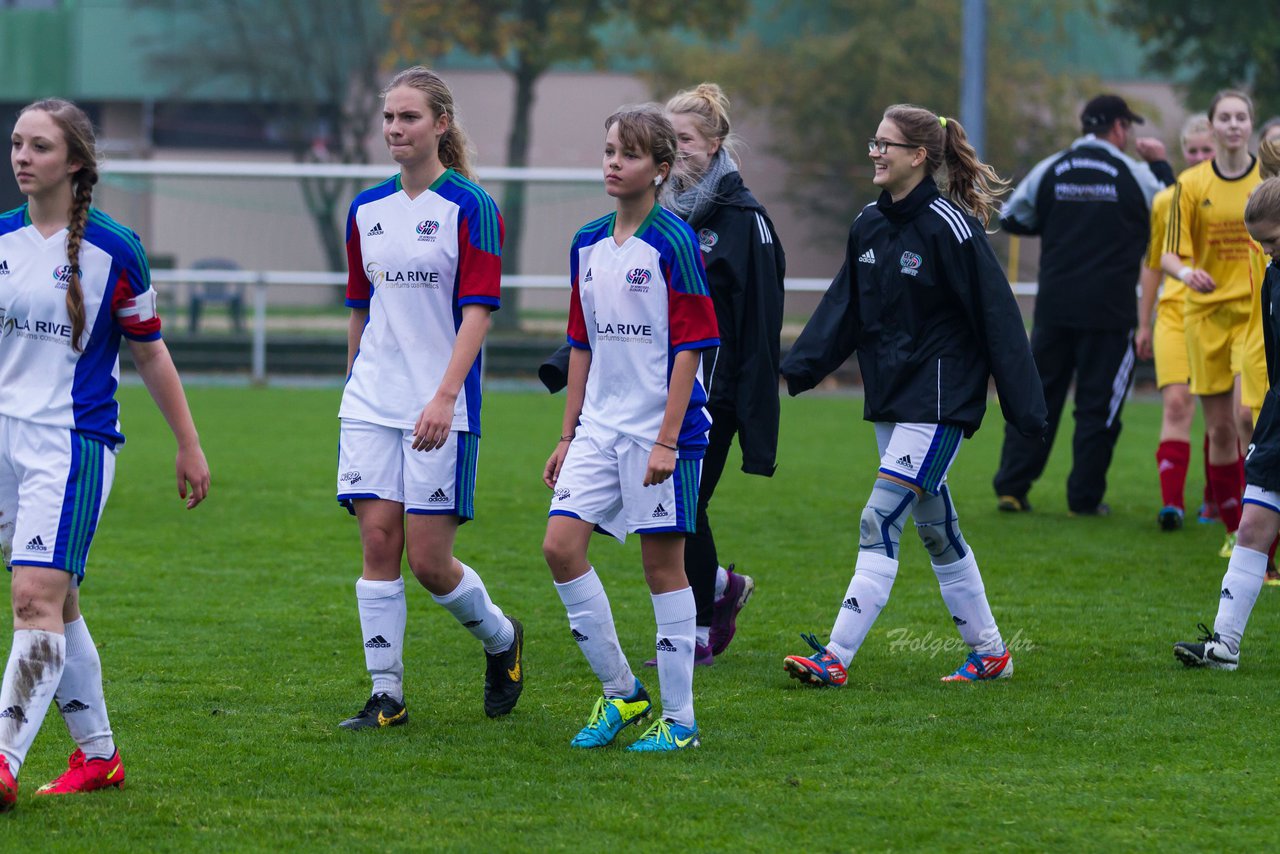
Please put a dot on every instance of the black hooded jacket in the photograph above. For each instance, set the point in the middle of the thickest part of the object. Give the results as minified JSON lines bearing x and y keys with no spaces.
{"x":1262,"y":461}
{"x":924,"y":303}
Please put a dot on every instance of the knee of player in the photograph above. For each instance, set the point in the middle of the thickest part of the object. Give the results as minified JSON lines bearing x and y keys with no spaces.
{"x":38,"y":597}
{"x":880,"y":526}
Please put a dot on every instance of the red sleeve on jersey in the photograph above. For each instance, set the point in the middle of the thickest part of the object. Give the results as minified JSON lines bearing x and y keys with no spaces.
{"x":479,"y":272}
{"x":358,"y":292}
{"x":692,"y":316}
{"x":133,"y":307}
{"x":577,"y":332}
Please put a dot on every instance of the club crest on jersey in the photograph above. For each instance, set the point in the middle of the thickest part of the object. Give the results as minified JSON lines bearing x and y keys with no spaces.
{"x":911,"y":263}
{"x":707,"y":239}
{"x":427,"y":230}
{"x":639,"y":280}
{"x":62,"y":276}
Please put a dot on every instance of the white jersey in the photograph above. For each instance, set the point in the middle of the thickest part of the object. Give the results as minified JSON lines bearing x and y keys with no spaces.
{"x":43,"y":380}
{"x":635,"y":306}
{"x":414,"y":263}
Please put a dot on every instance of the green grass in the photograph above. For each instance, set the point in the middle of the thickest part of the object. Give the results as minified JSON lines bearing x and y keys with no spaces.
{"x":230,"y":642}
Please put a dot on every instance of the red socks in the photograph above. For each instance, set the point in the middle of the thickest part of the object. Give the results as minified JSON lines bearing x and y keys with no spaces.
{"x":1227,"y":486}
{"x":1173,"y":458}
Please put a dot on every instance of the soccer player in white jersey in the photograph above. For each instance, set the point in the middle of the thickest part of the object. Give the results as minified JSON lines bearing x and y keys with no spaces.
{"x":72,"y":282}
{"x":424,"y":256}
{"x":634,"y":429}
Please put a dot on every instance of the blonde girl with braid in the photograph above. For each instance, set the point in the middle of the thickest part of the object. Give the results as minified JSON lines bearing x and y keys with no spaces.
{"x":73,"y":282}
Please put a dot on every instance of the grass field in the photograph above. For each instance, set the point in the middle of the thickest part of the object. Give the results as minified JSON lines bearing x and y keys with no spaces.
{"x":231,"y":646}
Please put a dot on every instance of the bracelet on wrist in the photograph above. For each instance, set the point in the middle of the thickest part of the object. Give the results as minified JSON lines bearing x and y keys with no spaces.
{"x":568,"y":438}
{"x":1185,"y":273}
{"x":665,"y":445}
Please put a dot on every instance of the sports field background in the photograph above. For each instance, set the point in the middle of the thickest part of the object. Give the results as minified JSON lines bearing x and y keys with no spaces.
{"x":231,"y":647}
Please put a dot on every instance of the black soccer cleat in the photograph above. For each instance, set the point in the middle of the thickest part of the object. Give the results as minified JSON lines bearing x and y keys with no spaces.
{"x":382,"y":710}
{"x":504,"y":675}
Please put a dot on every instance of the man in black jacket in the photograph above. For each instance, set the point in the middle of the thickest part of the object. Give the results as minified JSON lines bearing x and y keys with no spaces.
{"x":1091,"y":207}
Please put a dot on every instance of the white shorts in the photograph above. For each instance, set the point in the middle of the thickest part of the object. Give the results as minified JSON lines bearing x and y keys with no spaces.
{"x":602,"y":482}
{"x":920,"y":454}
{"x":376,"y":461}
{"x":1261,"y":497}
{"x":54,"y":484}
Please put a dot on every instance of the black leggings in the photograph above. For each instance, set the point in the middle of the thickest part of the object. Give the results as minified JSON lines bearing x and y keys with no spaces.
{"x":700,"y":560}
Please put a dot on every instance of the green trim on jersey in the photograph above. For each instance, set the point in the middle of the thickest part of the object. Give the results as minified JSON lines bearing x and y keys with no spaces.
{"x":596,"y":224}
{"x":102,"y":220}
{"x":490,"y":237}
{"x":684,"y":257}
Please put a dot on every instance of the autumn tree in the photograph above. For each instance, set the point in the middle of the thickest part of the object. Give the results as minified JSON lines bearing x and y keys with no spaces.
{"x":310,"y":68}
{"x":526,"y":39}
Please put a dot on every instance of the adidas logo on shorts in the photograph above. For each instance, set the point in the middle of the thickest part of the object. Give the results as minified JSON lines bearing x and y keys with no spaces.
{"x":905,"y":462}
{"x":852,"y":604}
{"x":36,"y":544}
{"x":579,"y":636}
{"x":562,"y":494}
{"x":377,"y":642}
{"x":868,"y":257}
{"x":438,"y":497}
{"x":660,"y":512}
{"x":74,"y":706}
{"x":665,"y":645}
{"x":375,"y":231}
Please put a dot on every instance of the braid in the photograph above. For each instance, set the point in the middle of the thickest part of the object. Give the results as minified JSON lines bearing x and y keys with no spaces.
{"x":83,"y":197}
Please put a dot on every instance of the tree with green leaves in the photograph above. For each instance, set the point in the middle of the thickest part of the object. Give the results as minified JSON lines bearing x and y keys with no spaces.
{"x":311,"y":68}
{"x":1210,"y":45}
{"x":527,"y":38}
{"x":823,"y":74}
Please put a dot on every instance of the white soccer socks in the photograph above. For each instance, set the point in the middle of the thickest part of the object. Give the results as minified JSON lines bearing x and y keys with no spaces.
{"x":966,"y":600}
{"x":79,"y":695}
{"x":382,"y":617}
{"x":675,"y":614}
{"x":32,"y":675}
{"x":591,"y":622}
{"x":1245,"y":573}
{"x":471,"y":606}
{"x":867,"y":595}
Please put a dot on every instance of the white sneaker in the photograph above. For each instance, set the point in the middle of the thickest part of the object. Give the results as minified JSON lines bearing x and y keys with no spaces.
{"x":1210,"y":651}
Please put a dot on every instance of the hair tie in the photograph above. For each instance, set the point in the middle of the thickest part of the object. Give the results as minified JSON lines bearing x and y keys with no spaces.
{"x":942,"y":120}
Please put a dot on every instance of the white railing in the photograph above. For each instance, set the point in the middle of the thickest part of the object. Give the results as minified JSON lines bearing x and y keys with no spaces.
{"x":261,"y":281}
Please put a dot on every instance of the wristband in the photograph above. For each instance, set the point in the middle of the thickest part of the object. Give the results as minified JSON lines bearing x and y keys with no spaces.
{"x":665,"y":445}
{"x":1185,"y":273}
{"x":566,"y":438}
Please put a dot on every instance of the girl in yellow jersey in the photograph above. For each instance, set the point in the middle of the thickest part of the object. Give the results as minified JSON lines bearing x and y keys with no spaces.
{"x":1208,"y":250}
{"x":1168,"y":343}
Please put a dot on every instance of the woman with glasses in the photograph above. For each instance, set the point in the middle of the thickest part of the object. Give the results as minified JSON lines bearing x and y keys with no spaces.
{"x":923,"y":302}
{"x":1208,"y":249}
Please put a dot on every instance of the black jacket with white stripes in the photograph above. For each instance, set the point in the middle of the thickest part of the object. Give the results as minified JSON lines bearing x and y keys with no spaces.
{"x":745,"y":268}
{"x":926,"y":306}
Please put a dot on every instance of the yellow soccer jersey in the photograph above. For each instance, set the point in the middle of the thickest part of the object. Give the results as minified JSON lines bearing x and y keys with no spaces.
{"x":1171,"y":289}
{"x":1206,"y":228}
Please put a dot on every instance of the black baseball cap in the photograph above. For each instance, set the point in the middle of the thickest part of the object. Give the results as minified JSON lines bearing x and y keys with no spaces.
{"x":1103,"y":110}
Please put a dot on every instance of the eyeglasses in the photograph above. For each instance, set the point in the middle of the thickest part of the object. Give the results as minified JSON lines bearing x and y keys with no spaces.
{"x":882,"y":145}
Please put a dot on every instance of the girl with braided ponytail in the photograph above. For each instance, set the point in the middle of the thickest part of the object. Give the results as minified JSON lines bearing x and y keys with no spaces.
{"x":923,"y":302}
{"x":72,"y":283}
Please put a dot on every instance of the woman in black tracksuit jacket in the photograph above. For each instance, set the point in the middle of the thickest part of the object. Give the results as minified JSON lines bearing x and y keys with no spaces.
{"x":927,"y":308}
{"x":1260,"y":516}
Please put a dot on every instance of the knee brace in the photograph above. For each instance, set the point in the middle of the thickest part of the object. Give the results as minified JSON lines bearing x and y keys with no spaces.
{"x":939,"y":528}
{"x":880,"y":528}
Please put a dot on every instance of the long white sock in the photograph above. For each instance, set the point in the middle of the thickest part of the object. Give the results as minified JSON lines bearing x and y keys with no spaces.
{"x":675,"y":613}
{"x":966,"y":599}
{"x":591,"y":622}
{"x":382,"y":617}
{"x":867,"y":595}
{"x":32,"y":675}
{"x":471,"y":606}
{"x":1246,"y":571}
{"x":79,"y":695}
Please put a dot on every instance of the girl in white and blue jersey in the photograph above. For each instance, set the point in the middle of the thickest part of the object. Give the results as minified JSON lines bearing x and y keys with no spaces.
{"x":72,"y":283}
{"x":634,"y":429}
{"x":424,"y":257}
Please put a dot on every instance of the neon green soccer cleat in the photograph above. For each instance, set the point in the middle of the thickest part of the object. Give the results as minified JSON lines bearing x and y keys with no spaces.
{"x":611,"y":715}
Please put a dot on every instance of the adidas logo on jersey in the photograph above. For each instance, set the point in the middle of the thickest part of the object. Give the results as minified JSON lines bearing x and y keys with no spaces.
{"x":438,"y":497}
{"x":665,"y":645}
{"x":905,"y":462}
{"x":375,"y":231}
{"x":15,"y":713}
{"x":587,"y":277}
{"x":74,"y":706}
{"x":377,"y":642}
{"x":868,"y":257}
{"x":660,"y":512}
{"x":1226,"y":593}
{"x":579,"y":636}
{"x":852,"y":604}
{"x":1206,"y":204}
{"x":958,"y":621}
{"x":4,"y":267}
{"x":36,"y":544}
